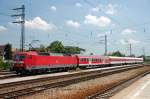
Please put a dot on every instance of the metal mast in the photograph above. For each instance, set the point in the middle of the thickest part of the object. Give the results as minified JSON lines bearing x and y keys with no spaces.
{"x":105,"y":45}
{"x":104,"y":41}
{"x":22,"y":23}
{"x":130,"y":48}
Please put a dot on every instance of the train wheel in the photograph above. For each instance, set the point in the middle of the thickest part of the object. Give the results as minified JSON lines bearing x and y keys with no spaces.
{"x":17,"y":72}
{"x":23,"y":72}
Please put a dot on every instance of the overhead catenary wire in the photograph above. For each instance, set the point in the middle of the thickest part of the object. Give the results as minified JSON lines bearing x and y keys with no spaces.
{"x":4,"y":14}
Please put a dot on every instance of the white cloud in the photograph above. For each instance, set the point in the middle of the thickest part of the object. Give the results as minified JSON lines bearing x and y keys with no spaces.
{"x":78,"y":5}
{"x":72,"y":23}
{"x":39,"y":24}
{"x":53,"y":8}
{"x":97,"y":21}
{"x":96,"y":9}
{"x":132,"y":41}
{"x":2,"y":29}
{"x":129,"y":41}
{"x":123,"y":42}
{"x":100,"y":34}
{"x":110,"y":9}
{"x":128,"y":31}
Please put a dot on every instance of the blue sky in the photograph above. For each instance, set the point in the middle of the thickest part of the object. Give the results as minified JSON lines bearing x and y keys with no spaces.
{"x":80,"y":23}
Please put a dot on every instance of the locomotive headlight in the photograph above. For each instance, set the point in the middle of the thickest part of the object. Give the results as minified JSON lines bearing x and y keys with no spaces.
{"x":21,"y":62}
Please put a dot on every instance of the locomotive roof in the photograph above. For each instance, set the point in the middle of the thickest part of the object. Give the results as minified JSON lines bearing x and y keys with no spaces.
{"x":29,"y":53}
{"x":40,"y":53}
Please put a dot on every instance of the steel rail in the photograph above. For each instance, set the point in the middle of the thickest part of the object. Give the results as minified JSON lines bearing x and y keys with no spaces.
{"x":33,"y":86}
{"x":62,"y":76}
{"x":109,"y":92}
{"x":7,"y":75}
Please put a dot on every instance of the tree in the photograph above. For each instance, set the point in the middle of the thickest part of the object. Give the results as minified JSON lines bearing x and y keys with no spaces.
{"x":42,"y":48}
{"x":73,"y":50}
{"x":38,"y":49}
{"x":56,"y":47}
{"x":117,"y":53}
{"x":8,"y":52}
{"x":132,"y":55}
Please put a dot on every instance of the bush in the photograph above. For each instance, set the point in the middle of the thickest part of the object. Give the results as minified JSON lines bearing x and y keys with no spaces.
{"x":4,"y":65}
{"x":1,"y":64}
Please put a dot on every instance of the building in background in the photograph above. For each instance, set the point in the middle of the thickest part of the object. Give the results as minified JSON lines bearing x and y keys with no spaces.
{"x":2,"y":51}
{"x":2,"y":47}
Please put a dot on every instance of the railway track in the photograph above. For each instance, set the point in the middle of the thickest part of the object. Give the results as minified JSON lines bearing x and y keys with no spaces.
{"x":106,"y":94}
{"x":7,"y":74}
{"x":16,"y":89}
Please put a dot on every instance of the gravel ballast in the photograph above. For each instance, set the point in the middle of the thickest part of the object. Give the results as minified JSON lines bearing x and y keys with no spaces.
{"x":86,"y":88}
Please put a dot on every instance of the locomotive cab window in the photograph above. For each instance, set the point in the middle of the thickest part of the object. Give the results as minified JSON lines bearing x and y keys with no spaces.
{"x":20,"y":57}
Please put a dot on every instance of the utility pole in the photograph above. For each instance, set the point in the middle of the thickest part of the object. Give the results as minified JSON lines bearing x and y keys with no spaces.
{"x":143,"y":49}
{"x":105,"y":45}
{"x":22,"y":23}
{"x":130,"y":48}
{"x":104,"y":41}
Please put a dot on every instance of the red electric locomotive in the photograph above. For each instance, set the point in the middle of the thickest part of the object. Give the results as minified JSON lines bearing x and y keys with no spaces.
{"x":32,"y":61}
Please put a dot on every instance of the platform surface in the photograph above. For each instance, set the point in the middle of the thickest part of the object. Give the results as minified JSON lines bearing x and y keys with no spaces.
{"x":10,"y":80}
{"x":138,"y":90}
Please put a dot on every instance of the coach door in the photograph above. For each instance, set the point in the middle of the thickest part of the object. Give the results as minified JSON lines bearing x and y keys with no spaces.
{"x":90,"y":61}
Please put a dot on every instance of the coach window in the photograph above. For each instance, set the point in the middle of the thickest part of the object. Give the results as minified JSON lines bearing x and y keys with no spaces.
{"x":83,"y":59}
{"x":92,"y":59}
{"x":98,"y":60}
{"x":87,"y":59}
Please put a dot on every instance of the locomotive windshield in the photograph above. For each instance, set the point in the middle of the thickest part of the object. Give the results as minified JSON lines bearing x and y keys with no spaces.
{"x":19,"y":57}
